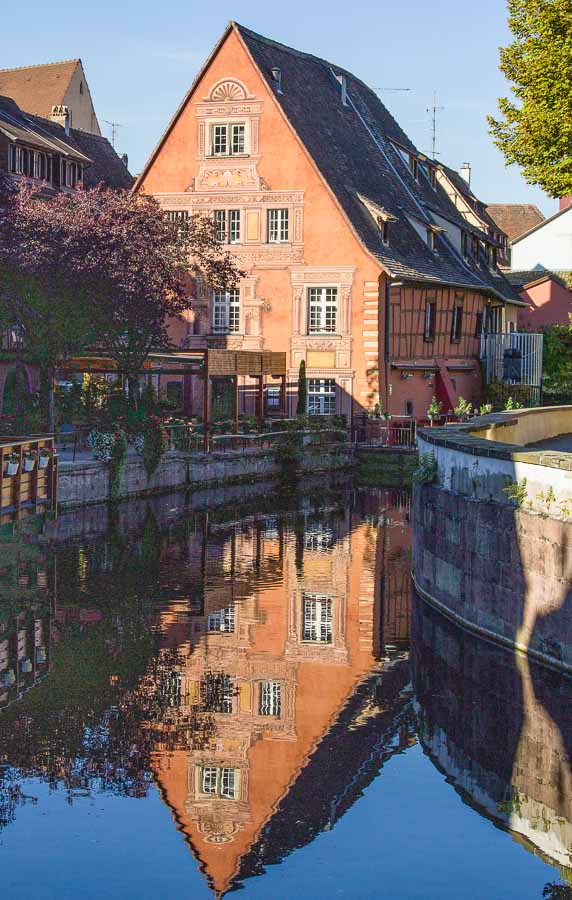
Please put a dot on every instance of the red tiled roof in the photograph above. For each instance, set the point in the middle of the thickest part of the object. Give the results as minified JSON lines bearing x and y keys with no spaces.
{"x":515,"y":218}
{"x":37,"y":88}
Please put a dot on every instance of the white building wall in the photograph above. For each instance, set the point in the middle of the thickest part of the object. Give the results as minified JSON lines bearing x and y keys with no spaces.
{"x":550,"y":246}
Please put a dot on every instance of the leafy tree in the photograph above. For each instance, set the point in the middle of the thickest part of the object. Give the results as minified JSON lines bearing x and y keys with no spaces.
{"x":302,"y":405}
{"x":99,"y":269}
{"x":535,"y":128}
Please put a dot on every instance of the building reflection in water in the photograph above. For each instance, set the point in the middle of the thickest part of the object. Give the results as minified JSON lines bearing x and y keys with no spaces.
{"x":501,"y":730}
{"x":288,"y":654}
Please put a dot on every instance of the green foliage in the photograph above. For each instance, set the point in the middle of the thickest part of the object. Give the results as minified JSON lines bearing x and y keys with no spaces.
{"x":155,"y":442}
{"x":117,"y":464}
{"x":485,"y":409}
{"x":535,"y":127}
{"x":516,"y":492}
{"x":513,"y":404}
{"x":434,"y":409}
{"x":302,"y":405}
{"x":557,"y":363}
{"x":463,"y":409}
{"x":426,"y":471}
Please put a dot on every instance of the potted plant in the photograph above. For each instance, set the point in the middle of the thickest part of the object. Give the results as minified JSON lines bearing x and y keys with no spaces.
{"x":12,"y":464}
{"x":44,"y":457}
{"x":434,"y":410}
{"x":29,"y":460}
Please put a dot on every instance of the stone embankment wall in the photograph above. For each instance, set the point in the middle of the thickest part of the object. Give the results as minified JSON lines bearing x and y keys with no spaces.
{"x":500,"y":569}
{"x":82,"y":483}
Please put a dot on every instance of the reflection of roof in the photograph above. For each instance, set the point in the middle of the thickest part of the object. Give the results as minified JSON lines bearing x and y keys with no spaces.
{"x":515,"y":218}
{"x":37,"y":88}
{"x":374,"y":725}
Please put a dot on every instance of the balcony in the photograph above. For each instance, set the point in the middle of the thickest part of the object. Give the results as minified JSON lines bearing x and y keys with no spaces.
{"x":513,"y":358}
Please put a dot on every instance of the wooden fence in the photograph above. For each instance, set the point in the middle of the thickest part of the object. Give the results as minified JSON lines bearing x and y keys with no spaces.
{"x":28,"y":477}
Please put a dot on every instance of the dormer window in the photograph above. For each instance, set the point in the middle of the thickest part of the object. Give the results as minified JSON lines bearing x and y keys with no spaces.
{"x":71,"y":174}
{"x":414,"y":167}
{"x":228,"y":139}
{"x":383,"y":225}
{"x":433,"y":177}
{"x":431,"y":240}
{"x":465,"y":245}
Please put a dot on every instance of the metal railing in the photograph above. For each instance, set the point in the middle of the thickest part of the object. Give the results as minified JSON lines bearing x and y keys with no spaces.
{"x":384,"y":434}
{"x":513,"y":357}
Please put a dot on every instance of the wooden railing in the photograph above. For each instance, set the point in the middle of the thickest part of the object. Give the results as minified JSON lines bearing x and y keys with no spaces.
{"x":28,"y":476}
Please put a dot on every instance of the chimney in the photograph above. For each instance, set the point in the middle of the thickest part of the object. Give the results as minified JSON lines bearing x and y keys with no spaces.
{"x":125,"y":160}
{"x":465,"y":172}
{"x":61,"y":115}
{"x":343,"y":79}
{"x":565,"y":202}
{"x":277,"y":76}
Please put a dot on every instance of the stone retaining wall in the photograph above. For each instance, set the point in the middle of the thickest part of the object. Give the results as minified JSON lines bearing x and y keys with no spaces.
{"x":84,"y":483}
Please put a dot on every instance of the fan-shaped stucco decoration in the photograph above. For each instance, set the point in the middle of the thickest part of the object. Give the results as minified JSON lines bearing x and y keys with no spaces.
{"x":228,"y":90}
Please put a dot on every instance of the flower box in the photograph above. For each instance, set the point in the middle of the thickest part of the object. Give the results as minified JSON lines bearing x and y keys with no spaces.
{"x":12,"y":468}
{"x":43,"y":461}
{"x":29,"y":464}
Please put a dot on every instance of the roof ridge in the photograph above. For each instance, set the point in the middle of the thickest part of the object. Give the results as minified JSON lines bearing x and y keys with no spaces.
{"x":59,"y":62}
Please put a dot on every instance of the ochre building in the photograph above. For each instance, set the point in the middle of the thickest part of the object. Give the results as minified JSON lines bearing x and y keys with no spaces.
{"x":362,"y":257}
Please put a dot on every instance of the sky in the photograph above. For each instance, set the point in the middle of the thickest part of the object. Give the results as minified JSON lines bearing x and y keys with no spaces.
{"x":140,"y":59}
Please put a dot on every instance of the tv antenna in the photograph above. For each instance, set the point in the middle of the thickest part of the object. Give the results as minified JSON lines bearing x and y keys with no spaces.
{"x":391,"y":90}
{"x":114,"y":127}
{"x":434,"y":110}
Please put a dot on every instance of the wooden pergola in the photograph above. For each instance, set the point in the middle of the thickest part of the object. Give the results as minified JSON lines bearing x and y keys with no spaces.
{"x":207,"y":364}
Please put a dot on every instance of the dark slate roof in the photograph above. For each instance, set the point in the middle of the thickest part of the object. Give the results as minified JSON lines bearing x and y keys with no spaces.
{"x":528,"y":276}
{"x":356,"y":149}
{"x":103,"y":165}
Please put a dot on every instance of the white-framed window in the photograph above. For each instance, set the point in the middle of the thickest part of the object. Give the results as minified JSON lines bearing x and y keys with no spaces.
{"x":316,"y":537}
{"x":228,"y":139}
{"x":273,"y":398}
{"x":226,"y":312}
{"x":223,"y":620}
{"x":219,"y":781}
{"x":217,"y":693}
{"x":465,"y":244}
{"x":457,"y":322}
{"x":431,"y":240}
{"x":383,"y":225}
{"x":414,"y":166}
{"x":178,"y":219}
{"x":227,"y":222}
{"x":321,"y":396}
{"x":322,"y":309}
{"x":317,"y":618}
{"x":33,"y":163}
{"x":270,"y":699}
{"x":71,"y":173}
{"x":278,"y":226}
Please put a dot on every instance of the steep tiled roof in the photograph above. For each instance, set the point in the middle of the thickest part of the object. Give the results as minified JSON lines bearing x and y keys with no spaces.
{"x":478,"y":207}
{"x":102,"y":162}
{"x":359,"y":149}
{"x":529,"y":276}
{"x":37,"y":88}
{"x":515,"y":218}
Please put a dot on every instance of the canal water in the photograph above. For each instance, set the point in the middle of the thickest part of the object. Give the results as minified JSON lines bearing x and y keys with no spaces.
{"x":250,"y":699}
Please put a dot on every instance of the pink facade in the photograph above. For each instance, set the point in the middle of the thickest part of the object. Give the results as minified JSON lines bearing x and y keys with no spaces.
{"x":550,"y":303}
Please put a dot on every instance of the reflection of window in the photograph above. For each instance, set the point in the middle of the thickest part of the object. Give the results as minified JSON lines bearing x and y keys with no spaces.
{"x":321,"y":396}
{"x":318,"y":538}
{"x":270,"y":698}
{"x":323,"y":307}
{"x":228,"y":139}
{"x":222,"y":620}
{"x":226,"y":312}
{"x":277,"y":226}
{"x":219,"y":781}
{"x":227,"y":222}
{"x":317,"y":613}
{"x":217,"y":692}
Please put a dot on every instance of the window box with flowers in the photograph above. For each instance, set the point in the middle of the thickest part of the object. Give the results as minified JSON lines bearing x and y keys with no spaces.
{"x":12,"y":464}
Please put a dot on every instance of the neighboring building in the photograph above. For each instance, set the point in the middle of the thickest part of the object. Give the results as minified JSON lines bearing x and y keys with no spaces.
{"x":547,"y":245}
{"x":547,"y":295}
{"x":37,"y":89}
{"x":514,"y":219}
{"x":358,"y":259}
{"x":54,"y":157}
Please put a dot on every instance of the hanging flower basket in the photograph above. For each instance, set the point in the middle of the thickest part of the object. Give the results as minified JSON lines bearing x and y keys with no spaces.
{"x":44,"y":458}
{"x":12,"y":465}
{"x":29,"y":463}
